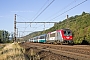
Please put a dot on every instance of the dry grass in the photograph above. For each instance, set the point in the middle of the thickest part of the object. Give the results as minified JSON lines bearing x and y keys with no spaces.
{"x":11,"y":50}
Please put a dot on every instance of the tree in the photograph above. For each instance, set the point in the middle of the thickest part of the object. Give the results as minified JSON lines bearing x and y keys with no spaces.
{"x":4,"y":36}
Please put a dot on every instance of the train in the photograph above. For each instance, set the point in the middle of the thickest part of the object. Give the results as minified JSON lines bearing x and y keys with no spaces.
{"x":62,"y":36}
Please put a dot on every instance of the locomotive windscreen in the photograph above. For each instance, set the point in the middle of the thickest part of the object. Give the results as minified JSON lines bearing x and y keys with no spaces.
{"x":67,"y":32}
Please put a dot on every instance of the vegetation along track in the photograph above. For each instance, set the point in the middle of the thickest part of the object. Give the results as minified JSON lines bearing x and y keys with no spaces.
{"x":76,"y":51}
{"x":12,"y":51}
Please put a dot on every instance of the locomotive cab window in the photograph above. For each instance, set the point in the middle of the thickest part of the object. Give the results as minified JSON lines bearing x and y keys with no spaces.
{"x":67,"y":33}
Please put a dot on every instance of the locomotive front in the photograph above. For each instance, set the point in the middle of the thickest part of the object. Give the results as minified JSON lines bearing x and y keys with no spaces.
{"x":67,"y":36}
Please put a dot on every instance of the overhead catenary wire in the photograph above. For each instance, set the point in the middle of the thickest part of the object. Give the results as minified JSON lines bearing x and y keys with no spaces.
{"x":68,"y":10}
{"x":23,"y":18}
{"x":40,"y":9}
{"x":63,"y":8}
{"x":36,"y":14}
{"x":43,"y":10}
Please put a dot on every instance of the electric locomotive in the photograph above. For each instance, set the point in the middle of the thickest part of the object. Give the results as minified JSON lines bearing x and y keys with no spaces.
{"x":60,"y":36}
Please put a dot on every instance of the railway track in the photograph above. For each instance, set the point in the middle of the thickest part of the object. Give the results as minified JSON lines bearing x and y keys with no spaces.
{"x":66,"y":53}
{"x":82,"y":49}
{"x":76,"y":52}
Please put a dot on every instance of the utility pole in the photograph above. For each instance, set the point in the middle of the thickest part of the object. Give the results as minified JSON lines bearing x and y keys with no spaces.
{"x":17,"y":32}
{"x":15,"y":28}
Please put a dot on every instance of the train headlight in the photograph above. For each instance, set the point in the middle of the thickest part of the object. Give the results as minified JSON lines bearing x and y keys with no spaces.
{"x":70,"y":38}
{"x":67,"y":37}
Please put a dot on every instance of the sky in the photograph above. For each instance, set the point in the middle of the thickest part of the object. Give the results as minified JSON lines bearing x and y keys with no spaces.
{"x":37,"y":11}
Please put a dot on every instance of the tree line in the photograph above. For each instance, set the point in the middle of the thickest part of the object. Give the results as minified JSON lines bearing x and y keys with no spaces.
{"x":4,"y":36}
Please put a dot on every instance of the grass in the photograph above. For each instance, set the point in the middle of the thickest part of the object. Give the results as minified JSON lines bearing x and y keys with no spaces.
{"x":10,"y":50}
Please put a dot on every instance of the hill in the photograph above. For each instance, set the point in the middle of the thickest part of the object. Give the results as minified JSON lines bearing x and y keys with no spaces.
{"x":33,"y":34}
{"x":79,"y":24}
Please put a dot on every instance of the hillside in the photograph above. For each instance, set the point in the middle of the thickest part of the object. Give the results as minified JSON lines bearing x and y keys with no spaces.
{"x":32,"y":35}
{"x":79,"y":24}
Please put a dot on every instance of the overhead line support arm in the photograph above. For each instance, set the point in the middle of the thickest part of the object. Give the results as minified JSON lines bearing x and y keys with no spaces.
{"x":36,"y":22}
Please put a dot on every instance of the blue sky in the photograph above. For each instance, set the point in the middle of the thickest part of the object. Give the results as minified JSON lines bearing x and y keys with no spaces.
{"x":27,"y":10}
